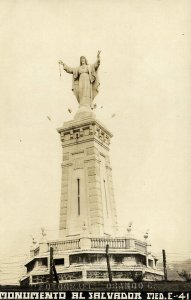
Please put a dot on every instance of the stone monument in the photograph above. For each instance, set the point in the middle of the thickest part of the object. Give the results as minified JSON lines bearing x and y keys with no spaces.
{"x":88,"y":219}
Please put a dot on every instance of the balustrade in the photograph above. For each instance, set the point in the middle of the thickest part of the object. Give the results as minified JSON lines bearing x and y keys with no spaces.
{"x":65,"y":245}
{"x":36,"y":251}
{"x":96,"y":243}
{"x":116,"y":243}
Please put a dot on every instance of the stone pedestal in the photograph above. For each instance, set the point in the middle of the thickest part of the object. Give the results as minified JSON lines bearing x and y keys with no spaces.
{"x":87,"y":190}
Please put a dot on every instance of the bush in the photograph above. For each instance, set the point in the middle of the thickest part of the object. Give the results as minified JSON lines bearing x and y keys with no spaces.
{"x":185,"y":275}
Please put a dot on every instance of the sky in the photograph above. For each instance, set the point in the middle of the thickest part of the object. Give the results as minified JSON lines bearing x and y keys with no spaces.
{"x":145,"y":76}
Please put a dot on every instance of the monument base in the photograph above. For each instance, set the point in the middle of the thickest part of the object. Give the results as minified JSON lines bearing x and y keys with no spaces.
{"x":83,"y":259}
{"x":84,"y":112}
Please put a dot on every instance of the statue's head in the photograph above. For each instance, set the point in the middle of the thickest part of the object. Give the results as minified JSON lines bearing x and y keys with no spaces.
{"x":83,"y":60}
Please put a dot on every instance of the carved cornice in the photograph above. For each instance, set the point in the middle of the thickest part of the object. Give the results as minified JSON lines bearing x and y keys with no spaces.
{"x":84,"y":130}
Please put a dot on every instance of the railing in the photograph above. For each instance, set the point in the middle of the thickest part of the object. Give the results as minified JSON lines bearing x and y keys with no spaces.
{"x":65,"y":245}
{"x":95,"y":243}
{"x":36,"y":251}
{"x":118,"y":243}
{"x":139,"y":246}
{"x":113,"y":243}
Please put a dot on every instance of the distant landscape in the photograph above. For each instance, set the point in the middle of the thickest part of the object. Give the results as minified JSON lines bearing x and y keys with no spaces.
{"x":173,"y":267}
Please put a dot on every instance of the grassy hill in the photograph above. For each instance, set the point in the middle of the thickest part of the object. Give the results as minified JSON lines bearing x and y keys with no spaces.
{"x":173,"y":267}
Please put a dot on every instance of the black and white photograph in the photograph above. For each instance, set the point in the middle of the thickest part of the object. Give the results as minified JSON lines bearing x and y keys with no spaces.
{"x":95,"y":153}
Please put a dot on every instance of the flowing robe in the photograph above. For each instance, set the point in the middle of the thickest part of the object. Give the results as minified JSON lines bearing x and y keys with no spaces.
{"x":85,"y":82}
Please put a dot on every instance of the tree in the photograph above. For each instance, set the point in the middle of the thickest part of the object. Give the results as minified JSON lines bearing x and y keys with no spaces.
{"x":185,"y":275}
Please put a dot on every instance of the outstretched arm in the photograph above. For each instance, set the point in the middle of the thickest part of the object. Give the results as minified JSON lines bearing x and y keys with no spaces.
{"x":65,"y":67}
{"x":97,"y":63}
